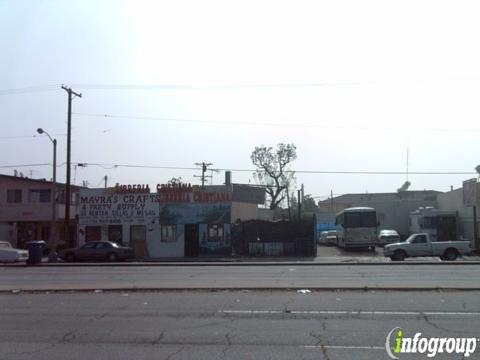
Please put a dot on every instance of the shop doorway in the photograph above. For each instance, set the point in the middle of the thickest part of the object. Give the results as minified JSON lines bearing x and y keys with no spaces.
{"x":191,"y":240}
{"x":138,"y":240}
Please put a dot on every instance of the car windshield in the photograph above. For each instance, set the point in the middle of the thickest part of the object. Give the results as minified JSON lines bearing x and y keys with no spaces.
{"x":5,"y":245}
{"x":115,"y":245}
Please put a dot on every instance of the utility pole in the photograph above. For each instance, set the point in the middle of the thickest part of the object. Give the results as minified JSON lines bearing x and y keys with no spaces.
{"x":288,"y":203}
{"x":106,"y":179}
{"x":70,"y":93}
{"x":476,"y":240}
{"x":204,"y":170}
{"x":299,"y":204}
{"x":331,"y":201}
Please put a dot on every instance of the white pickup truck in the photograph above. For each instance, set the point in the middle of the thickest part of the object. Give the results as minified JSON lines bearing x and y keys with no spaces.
{"x":420,"y":244}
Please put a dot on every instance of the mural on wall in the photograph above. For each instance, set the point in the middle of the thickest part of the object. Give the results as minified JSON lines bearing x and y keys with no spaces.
{"x":219,"y":245}
{"x":191,"y":213}
{"x":183,"y":205}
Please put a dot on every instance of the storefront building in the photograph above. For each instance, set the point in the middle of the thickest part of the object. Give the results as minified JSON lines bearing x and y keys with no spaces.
{"x":174,"y":221}
{"x":34,"y":209}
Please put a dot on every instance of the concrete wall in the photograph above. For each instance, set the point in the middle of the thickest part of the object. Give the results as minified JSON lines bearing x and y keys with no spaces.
{"x":244,"y":211}
{"x":453,"y":201}
{"x":159,"y":249}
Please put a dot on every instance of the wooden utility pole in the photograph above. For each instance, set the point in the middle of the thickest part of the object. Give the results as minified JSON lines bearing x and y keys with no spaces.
{"x":204,"y":170}
{"x":288,"y":203}
{"x":299,"y":204}
{"x":331,"y":201}
{"x":476,"y":240}
{"x":70,"y":93}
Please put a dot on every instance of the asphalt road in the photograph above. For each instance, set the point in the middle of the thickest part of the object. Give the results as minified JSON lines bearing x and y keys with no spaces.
{"x":228,"y":324}
{"x":378,"y":276}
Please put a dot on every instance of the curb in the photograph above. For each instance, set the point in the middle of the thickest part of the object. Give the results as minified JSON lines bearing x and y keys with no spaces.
{"x":220,"y":289}
{"x":232,"y":263}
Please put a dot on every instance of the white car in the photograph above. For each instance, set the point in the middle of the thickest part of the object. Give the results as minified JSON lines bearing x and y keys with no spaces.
{"x":328,"y":237}
{"x":386,"y":237}
{"x":10,"y":254}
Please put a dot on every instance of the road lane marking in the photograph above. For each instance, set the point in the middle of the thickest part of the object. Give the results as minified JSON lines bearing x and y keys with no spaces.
{"x":347,"y":347}
{"x":339,"y":312}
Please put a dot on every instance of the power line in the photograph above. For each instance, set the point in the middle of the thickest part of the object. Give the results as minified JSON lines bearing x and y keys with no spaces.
{"x":23,"y":165}
{"x":30,"y":89}
{"x":213,"y":86}
{"x":326,"y":172}
{"x":254,"y":123}
{"x":28,"y":136}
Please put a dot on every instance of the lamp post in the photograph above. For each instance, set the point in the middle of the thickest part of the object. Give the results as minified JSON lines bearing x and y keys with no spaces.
{"x":54,"y":183}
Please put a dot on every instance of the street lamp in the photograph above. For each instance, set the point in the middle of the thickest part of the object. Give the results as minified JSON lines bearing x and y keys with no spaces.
{"x":54,"y":182}
{"x":54,"y":141}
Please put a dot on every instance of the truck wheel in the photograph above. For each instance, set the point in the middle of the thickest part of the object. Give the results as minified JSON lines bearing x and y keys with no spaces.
{"x":398,"y":255}
{"x":450,"y":254}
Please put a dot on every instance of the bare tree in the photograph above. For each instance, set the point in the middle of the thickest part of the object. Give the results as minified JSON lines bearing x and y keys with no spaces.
{"x":175,"y":181}
{"x":273,"y":170}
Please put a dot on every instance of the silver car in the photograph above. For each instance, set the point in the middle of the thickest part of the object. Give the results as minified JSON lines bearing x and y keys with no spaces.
{"x":386,"y":237}
{"x":328,"y":237}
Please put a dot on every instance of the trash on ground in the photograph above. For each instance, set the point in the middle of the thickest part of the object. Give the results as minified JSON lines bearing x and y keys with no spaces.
{"x":303,"y":291}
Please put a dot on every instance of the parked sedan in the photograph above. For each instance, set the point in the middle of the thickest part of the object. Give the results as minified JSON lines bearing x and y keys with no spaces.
{"x":9,"y":254}
{"x":386,"y":237}
{"x":98,"y":251}
{"x":328,"y":237}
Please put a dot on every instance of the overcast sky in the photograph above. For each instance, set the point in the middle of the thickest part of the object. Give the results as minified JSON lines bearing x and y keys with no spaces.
{"x":372,"y":78}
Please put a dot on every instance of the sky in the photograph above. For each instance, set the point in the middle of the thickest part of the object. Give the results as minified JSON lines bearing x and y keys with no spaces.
{"x":353,"y":84}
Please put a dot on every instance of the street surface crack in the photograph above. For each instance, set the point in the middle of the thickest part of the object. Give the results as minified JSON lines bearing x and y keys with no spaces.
{"x":319,"y":343}
{"x":438,"y":327}
{"x":159,"y":338}
{"x":102,"y":316}
{"x":69,"y":336}
{"x":229,"y":344}
{"x":36,"y":351}
{"x":286,"y":306}
{"x":176,"y":352}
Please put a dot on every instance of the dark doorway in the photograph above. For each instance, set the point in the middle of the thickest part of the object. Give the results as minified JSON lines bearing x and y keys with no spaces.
{"x":191,"y":240}
{"x":446,"y":228}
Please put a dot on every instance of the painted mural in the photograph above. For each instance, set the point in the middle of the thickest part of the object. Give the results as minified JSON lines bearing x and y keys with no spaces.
{"x":191,"y":213}
{"x":213,"y":220}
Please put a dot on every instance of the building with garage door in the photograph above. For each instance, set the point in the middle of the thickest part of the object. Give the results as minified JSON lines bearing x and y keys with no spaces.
{"x":172,"y":221}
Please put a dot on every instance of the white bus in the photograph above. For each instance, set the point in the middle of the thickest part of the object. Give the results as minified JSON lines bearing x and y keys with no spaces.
{"x":357,"y":228}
